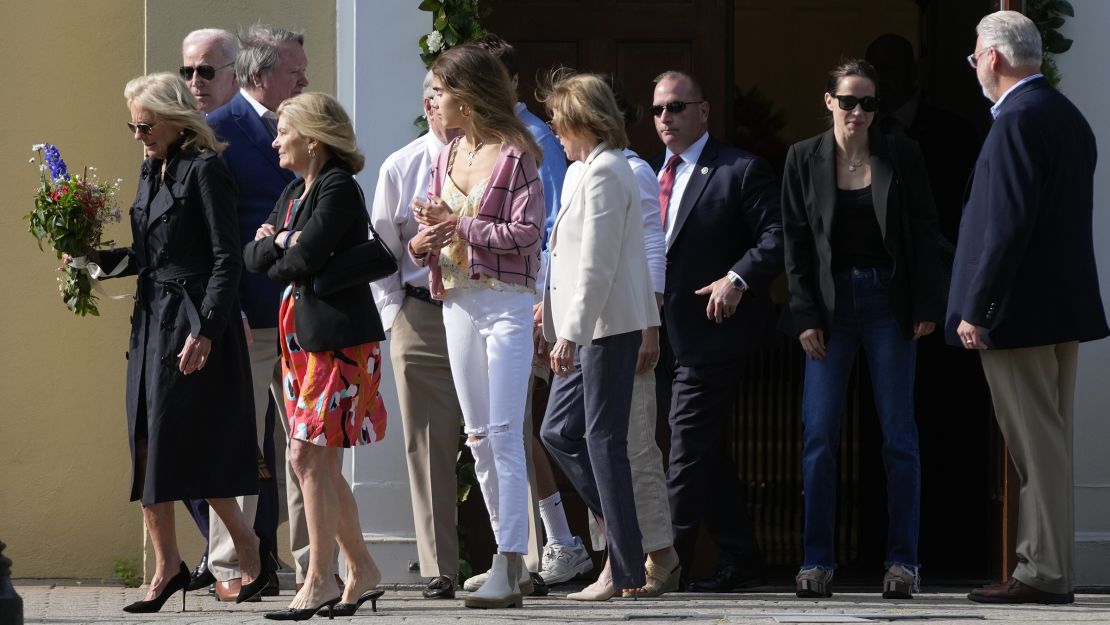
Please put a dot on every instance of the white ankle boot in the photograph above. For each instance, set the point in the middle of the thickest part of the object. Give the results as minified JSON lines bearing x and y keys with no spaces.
{"x":502,"y":589}
{"x":475,"y":582}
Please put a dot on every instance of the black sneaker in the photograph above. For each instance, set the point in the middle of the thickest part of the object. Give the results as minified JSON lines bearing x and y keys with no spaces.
{"x":441,"y":587}
{"x":539,"y":587}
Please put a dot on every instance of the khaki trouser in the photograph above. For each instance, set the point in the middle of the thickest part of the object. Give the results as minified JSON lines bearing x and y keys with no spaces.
{"x":1033,"y":390}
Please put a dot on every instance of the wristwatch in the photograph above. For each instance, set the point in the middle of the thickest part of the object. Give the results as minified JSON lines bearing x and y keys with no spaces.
{"x":737,"y":281}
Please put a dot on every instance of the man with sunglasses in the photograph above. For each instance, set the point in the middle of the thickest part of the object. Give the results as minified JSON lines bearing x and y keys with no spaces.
{"x":1025,"y":291}
{"x":721,"y":213}
{"x":269,"y":68}
{"x":208,"y":66}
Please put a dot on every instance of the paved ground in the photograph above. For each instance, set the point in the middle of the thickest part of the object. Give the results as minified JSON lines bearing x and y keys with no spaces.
{"x":72,"y":604}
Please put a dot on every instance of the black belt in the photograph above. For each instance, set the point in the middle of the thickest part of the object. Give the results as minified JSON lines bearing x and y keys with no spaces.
{"x":421,"y":294}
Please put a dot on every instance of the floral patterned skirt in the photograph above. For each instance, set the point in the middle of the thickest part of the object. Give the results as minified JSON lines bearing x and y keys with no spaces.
{"x":331,"y":398}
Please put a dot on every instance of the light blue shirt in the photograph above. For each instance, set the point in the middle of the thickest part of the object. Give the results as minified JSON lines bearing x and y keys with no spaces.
{"x":553,"y":169}
{"x":997,"y":108}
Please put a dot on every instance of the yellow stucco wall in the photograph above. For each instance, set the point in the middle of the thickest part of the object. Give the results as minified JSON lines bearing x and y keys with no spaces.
{"x":64,"y":464}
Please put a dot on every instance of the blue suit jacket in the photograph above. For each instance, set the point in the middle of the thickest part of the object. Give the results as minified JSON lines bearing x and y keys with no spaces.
{"x":254,"y":163}
{"x":1025,"y":262}
{"x":729,"y":219}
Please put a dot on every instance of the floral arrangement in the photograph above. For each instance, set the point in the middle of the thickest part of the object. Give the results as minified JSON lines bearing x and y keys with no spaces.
{"x":70,"y":213}
{"x":453,"y":22}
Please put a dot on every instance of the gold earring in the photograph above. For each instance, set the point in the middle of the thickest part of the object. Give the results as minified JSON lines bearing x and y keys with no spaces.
{"x":465,"y":111}
{"x":311,"y":152}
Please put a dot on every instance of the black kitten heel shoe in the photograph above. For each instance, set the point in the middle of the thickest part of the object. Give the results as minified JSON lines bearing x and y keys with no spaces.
{"x":255,"y":588}
{"x":349,"y":609}
{"x":303,"y":614}
{"x":176,"y":583}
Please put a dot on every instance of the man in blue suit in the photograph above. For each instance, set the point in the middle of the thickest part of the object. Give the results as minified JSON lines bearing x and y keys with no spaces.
{"x":1025,"y":291}
{"x":269,"y":68}
{"x":723,"y":222}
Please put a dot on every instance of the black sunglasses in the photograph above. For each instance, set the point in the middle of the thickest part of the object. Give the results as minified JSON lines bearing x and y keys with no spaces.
{"x":206,"y":72}
{"x":869,"y":103}
{"x":143,"y":127}
{"x":671,"y":107}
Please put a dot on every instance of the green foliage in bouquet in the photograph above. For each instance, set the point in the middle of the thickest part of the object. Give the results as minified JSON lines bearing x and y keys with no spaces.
{"x":453,"y":22}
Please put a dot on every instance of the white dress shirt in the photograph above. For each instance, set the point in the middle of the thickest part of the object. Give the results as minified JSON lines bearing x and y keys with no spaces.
{"x":681,"y":179}
{"x":403,"y":176}
{"x":263,"y":112}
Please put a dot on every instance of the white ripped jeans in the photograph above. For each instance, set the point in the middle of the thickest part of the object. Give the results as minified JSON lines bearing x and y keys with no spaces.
{"x":489,"y":341}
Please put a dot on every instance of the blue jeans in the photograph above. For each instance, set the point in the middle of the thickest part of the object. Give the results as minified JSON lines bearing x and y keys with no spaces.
{"x":862,"y":318}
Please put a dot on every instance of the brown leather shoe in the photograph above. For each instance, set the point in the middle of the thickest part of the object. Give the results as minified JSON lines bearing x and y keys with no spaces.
{"x":1014,"y":591}
{"x":338,"y":580}
{"x":229,"y":590}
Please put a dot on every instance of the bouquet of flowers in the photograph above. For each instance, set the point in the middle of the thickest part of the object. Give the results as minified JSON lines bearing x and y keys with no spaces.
{"x":70,"y":213}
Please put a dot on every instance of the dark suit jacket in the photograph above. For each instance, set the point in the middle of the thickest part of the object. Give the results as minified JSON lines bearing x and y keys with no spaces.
{"x":332,"y":218}
{"x":907,"y":219}
{"x":254,"y":163}
{"x":729,"y":219}
{"x":1025,"y":264}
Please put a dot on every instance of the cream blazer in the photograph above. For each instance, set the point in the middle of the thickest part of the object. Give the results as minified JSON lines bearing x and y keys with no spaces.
{"x":598,"y":283}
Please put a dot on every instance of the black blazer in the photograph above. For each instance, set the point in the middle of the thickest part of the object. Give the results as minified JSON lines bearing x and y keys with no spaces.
{"x":728,"y":219}
{"x":907,"y":219}
{"x":1025,"y":263}
{"x":332,"y":218}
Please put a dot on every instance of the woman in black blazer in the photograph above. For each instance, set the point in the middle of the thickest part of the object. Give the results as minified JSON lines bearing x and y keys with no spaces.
{"x":330,"y":359}
{"x":188,"y":372}
{"x":863,"y":271}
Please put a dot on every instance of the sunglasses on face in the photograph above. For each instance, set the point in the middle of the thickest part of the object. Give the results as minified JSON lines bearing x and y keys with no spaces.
{"x":143,"y":127}
{"x":869,"y":103}
{"x":671,"y":107}
{"x":206,"y":72}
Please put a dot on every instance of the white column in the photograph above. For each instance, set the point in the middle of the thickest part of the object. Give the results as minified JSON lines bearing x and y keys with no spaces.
{"x":379,"y":79}
{"x":1082,"y":69}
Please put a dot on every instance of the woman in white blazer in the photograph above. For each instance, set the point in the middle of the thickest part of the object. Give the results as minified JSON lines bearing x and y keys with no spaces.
{"x":597,"y":301}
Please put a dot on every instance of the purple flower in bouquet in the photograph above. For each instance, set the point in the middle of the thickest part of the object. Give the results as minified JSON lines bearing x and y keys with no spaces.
{"x":54,"y":161}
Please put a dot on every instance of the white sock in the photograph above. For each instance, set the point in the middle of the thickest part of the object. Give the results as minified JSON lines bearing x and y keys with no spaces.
{"x":555,"y":520}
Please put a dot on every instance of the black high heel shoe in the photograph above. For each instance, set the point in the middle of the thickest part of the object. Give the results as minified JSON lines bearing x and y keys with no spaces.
{"x":349,"y":609}
{"x":303,"y":614}
{"x":176,"y":583}
{"x":255,"y":588}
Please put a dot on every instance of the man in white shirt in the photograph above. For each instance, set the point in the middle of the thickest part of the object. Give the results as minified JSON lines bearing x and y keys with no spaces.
{"x":430,"y":411}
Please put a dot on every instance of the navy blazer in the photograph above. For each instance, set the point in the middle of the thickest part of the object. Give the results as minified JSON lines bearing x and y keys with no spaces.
{"x":904,"y":210}
{"x":254,"y":163}
{"x":729,"y":219}
{"x":1025,"y":261}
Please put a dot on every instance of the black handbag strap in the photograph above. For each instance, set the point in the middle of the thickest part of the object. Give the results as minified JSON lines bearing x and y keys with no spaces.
{"x":370,"y":225}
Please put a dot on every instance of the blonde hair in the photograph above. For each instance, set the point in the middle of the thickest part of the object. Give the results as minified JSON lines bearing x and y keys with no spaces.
{"x":167,"y":96}
{"x":478,"y":80}
{"x":319,"y":116}
{"x":585,"y":105}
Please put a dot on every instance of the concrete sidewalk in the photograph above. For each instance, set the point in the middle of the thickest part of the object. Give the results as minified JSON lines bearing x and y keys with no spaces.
{"x":73,"y":604}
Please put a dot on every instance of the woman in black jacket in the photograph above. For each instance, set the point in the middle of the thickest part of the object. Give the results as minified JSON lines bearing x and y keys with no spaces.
{"x":863,"y":271}
{"x":329,"y":344}
{"x":188,"y":373}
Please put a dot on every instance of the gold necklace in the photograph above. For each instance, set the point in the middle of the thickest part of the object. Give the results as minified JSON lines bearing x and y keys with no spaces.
{"x":854,"y":165}
{"x":472,"y":153}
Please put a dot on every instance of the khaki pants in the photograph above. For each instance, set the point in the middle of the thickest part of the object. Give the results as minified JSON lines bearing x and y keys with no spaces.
{"x":1033,"y":390}
{"x":649,"y":484}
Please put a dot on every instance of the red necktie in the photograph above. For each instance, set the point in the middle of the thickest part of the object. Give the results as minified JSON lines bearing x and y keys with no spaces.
{"x":666,"y":184}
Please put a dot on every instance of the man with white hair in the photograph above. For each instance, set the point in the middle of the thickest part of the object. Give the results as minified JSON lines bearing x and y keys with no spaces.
{"x":430,"y":412}
{"x":1025,"y":291}
{"x":208,"y":66}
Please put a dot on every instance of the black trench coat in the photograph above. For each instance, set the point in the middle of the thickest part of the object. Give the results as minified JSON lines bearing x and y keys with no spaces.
{"x":199,"y":428}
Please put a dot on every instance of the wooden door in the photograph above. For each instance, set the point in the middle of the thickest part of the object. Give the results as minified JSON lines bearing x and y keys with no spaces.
{"x":635,"y":40}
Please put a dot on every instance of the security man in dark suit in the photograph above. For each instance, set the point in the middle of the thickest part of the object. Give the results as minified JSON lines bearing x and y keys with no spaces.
{"x":721,"y":214}
{"x":1025,"y":291}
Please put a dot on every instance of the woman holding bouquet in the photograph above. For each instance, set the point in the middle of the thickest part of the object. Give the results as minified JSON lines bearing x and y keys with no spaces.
{"x":188,"y":377}
{"x":330,"y":359}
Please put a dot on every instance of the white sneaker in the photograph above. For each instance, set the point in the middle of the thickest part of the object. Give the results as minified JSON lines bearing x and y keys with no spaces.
{"x":562,"y":563}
